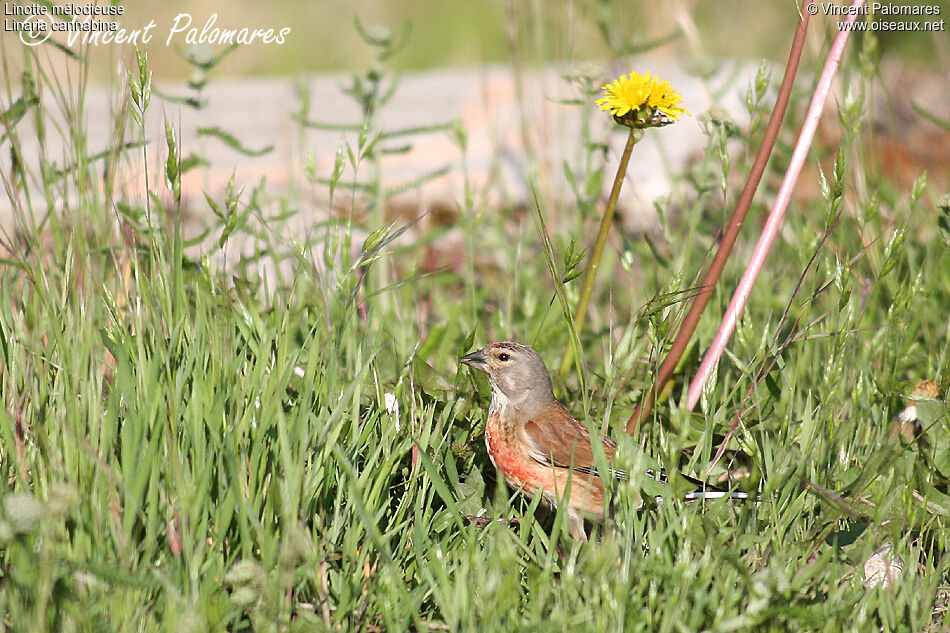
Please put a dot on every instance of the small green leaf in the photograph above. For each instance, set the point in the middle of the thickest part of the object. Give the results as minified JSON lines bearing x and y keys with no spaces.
{"x":428,"y":379}
{"x":471,"y":492}
{"x":467,"y":344}
{"x":232,"y":142}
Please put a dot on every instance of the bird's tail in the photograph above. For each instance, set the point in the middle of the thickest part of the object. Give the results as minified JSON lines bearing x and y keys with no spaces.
{"x":704,"y":490}
{"x":697,"y":495}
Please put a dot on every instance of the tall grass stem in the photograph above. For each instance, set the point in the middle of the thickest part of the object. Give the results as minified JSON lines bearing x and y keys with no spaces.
{"x":704,"y":293}
{"x":776,"y":216}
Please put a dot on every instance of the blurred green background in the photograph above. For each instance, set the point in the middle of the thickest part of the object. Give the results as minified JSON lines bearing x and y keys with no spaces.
{"x":440,"y":33}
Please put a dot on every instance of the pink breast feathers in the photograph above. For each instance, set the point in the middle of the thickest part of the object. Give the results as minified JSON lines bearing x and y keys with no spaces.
{"x":519,"y":470}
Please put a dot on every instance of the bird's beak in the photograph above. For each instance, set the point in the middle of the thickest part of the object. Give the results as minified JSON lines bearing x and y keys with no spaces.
{"x":476,"y":359}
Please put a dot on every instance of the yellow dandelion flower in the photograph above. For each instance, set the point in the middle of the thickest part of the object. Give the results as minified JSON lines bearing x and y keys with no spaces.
{"x":625,"y":95}
{"x":641,"y":101}
{"x":666,"y":100}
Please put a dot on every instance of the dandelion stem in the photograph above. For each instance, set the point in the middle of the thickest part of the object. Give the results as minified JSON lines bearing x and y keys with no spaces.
{"x":593,"y":264}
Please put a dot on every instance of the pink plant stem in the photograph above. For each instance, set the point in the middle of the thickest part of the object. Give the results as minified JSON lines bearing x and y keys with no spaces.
{"x":774,"y":221}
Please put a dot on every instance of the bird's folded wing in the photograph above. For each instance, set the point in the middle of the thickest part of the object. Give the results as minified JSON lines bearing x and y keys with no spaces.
{"x":555,"y":438}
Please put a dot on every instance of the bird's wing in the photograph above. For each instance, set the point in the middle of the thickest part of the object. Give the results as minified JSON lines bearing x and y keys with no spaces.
{"x":557,"y":439}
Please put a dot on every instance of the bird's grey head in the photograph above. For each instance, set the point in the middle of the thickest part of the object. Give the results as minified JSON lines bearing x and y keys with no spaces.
{"x":515,"y":371}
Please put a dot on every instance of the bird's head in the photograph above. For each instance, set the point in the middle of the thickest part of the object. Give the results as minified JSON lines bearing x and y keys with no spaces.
{"x":515,"y":372}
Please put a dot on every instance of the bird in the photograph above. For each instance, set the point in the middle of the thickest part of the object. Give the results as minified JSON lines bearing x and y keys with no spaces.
{"x":538,"y":446}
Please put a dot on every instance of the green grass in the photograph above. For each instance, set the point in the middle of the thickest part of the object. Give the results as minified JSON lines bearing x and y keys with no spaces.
{"x":187,"y":448}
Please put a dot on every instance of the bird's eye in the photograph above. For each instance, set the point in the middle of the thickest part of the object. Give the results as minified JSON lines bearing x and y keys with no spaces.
{"x":503,"y":357}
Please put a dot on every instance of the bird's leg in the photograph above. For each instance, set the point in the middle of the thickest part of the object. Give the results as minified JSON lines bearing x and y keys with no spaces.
{"x":575,"y":526}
